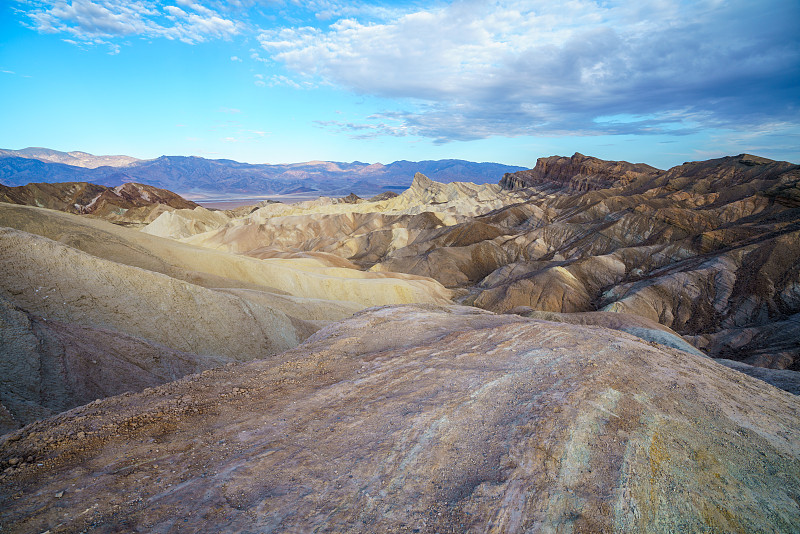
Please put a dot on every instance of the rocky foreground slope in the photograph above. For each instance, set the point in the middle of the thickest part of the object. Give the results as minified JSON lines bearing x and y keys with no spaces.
{"x":710,"y":249}
{"x":423,"y":420}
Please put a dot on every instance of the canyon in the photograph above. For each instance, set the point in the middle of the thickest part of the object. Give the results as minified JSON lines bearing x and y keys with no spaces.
{"x":586,"y":345}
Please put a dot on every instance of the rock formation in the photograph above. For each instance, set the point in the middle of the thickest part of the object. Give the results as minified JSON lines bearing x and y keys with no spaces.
{"x":176,"y":224}
{"x":438,"y":420}
{"x":708,"y":249}
{"x":50,"y":366}
{"x":578,"y":173}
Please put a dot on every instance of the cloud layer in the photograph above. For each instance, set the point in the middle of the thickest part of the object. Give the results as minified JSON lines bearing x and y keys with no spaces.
{"x":472,"y":69}
{"x":475,"y":69}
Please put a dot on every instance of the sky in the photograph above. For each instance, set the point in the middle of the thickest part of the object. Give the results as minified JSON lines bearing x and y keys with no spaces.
{"x":281,"y":81}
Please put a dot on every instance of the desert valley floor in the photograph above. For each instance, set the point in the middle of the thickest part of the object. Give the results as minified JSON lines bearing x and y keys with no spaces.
{"x":587,"y":346}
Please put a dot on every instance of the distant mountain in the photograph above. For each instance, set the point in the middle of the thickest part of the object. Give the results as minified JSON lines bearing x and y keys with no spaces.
{"x":76,"y":158}
{"x":222,"y":176}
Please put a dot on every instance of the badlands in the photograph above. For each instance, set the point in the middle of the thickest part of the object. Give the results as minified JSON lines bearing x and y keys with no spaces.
{"x":587,"y":346}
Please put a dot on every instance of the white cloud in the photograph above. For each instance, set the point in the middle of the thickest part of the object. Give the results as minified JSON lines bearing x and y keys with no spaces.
{"x":473,"y":69}
{"x":289,"y":40}
{"x":236,"y":58}
{"x":99,"y":21}
{"x":175,"y":11}
{"x":281,"y":80}
{"x":254,"y":55}
{"x":194,"y":6}
{"x":367,"y":130}
{"x":86,"y":19}
{"x":330,"y":9}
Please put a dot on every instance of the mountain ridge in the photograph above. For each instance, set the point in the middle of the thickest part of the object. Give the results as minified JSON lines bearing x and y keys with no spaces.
{"x":579,"y":173}
{"x":75,"y":158}
{"x":198,"y":176}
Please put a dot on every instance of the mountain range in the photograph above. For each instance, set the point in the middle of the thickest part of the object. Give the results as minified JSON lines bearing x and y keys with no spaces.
{"x":222,"y":177}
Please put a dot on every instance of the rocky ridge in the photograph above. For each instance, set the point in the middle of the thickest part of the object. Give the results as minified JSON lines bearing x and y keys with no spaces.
{"x":217,"y":177}
{"x":129,"y":204}
{"x":75,"y":158}
{"x":578,"y":173}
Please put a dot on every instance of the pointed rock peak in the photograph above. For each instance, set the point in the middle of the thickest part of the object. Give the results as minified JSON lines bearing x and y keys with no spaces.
{"x":352,"y":198}
{"x":426,"y":190}
{"x":422,"y":184}
{"x":422,"y":181}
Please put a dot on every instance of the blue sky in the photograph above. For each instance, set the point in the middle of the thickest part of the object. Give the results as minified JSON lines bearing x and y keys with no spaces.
{"x":279,"y":81}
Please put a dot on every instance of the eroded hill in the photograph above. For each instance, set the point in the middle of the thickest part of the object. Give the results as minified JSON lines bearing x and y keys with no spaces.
{"x":709,"y":249}
{"x":86,"y":300}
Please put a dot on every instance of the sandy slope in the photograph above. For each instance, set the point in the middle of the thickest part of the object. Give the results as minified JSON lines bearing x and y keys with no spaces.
{"x":209,"y":268}
{"x":58,"y":282}
{"x":49,"y":366}
{"x":89,"y":309}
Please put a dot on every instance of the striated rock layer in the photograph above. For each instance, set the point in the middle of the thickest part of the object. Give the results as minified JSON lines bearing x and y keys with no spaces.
{"x":423,"y":420}
{"x":710,"y":249}
{"x":90,"y":309}
{"x":50,"y":366}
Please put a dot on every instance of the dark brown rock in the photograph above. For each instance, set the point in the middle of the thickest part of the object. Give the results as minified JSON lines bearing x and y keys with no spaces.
{"x":111,"y":203}
{"x":578,"y":173}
